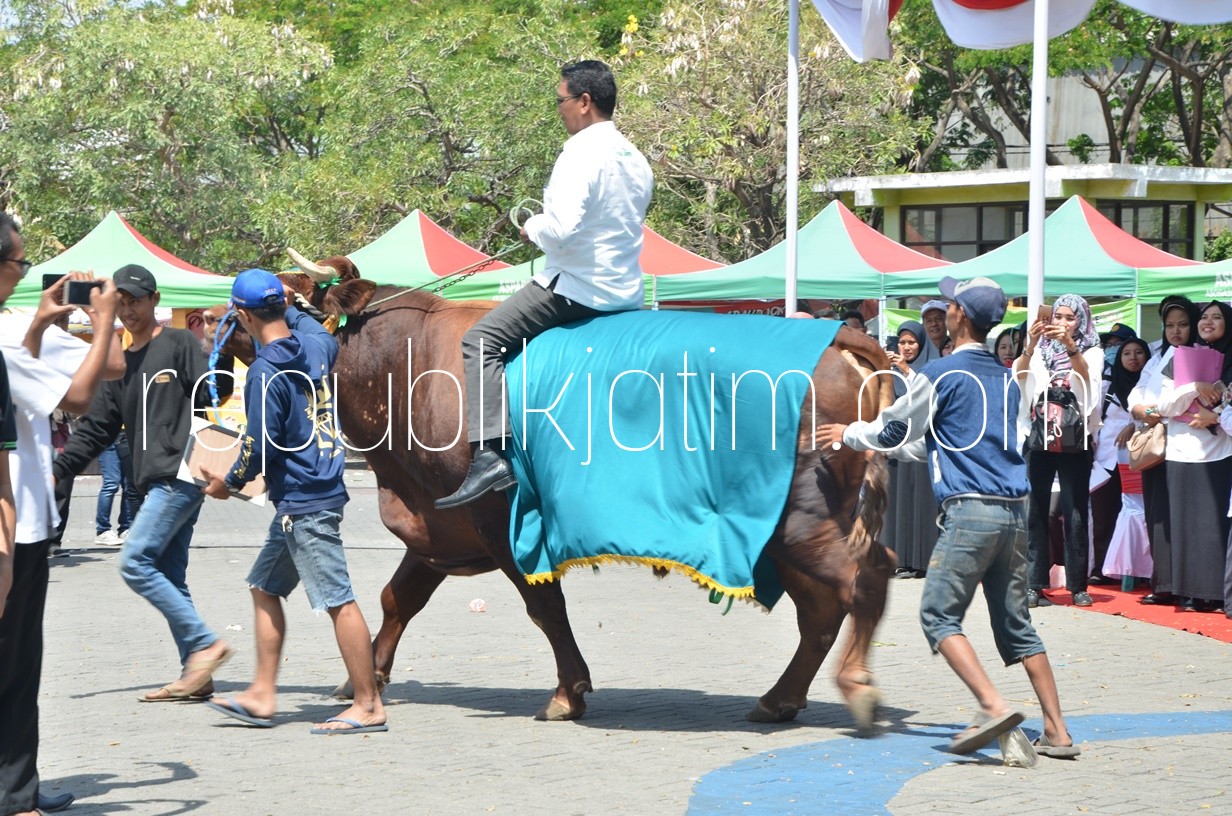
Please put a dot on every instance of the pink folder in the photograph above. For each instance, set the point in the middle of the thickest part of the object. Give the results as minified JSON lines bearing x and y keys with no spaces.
{"x":1191,"y":364}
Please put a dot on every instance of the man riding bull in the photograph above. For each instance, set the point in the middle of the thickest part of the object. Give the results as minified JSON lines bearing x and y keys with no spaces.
{"x":591,"y":232}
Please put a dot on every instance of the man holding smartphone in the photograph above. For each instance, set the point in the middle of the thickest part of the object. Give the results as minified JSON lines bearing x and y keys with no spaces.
{"x":47,"y":369}
{"x":155,"y":399}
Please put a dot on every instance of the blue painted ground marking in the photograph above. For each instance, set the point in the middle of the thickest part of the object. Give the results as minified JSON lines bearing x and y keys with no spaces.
{"x":850,"y":775}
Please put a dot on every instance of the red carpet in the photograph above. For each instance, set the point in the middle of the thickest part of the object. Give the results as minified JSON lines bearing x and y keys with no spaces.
{"x":1112,"y":601}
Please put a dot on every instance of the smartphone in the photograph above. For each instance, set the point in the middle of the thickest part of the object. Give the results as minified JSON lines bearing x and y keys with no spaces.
{"x":77,"y":292}
{"x":892,"y":343}
{"x":1044,"y":313}
{"x":50,"y":279}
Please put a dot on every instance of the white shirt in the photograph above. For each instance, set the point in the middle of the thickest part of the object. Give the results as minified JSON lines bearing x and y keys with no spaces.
{"x":37,"y":385}
{"x":591,"y":225}
{"x":1186,"y":444}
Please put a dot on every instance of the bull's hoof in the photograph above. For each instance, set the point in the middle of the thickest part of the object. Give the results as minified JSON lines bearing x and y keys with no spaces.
{"x":863,"y":704}
{"x":785,"y":712}
{"x":345,"y":691}
{"x":565,"y":706}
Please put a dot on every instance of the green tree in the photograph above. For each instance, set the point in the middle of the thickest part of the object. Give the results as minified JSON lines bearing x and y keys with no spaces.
{"x":177,"y":121}
{"x":1164,"y":90}
{"x":705,"y":97}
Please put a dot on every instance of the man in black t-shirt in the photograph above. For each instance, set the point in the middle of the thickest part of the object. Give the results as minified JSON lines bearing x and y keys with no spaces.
{"x":154,"y":400}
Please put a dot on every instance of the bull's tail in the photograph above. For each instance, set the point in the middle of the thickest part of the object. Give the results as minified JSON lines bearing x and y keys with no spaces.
{"x":871,"y":505}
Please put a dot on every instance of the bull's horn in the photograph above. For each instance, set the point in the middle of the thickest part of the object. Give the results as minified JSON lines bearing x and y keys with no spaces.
{"x":318,"y":273}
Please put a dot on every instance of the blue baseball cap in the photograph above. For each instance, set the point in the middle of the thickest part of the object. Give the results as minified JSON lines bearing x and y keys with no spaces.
{"x":982,"y":300}
{"x":933,"y":306}
{"x":256,"y":289}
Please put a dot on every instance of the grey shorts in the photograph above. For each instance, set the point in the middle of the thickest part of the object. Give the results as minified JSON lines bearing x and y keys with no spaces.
{"x":307,"y":547}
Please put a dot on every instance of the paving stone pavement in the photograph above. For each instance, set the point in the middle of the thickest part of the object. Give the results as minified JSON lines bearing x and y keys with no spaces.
{"x":674,"y":679}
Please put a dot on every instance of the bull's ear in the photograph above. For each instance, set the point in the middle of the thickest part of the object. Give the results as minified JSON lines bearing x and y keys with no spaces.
{"x":349,"y":297}
{"x":298,"y":283}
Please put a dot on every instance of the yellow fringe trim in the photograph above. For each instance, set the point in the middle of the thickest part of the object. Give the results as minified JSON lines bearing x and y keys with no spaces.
{"x":705,"y":581}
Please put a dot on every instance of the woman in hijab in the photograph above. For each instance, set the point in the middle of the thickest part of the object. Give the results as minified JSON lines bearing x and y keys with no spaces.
{"x":1069,"y":357}
{"x":1116,"y":427}
{"x":1180,"y":327}
{"x":911,"y":517}
{"x":1199,"y":456}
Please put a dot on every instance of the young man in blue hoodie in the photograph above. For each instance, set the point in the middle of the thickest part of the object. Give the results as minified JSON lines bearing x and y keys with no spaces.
{"x":964,"y":412}
{"x":292,"y":438}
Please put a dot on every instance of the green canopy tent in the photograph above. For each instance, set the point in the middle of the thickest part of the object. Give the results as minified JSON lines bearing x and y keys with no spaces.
{"x":840,"y":257}
{"x":111,"y":245}
{"x":659,"y":257}
{"x":1086,"y":254}
{"x":416,"y":252}
{"x":1201,"y":283}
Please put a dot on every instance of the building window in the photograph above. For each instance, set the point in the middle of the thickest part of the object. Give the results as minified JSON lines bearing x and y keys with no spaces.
{"x":1167,"y":225}
{"x":961,"y":232}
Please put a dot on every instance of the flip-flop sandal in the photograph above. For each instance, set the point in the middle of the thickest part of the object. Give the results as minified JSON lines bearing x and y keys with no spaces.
{"x":171,"y":694}
{"x":209,"y":667}
{"x":225,"y":705}
{"x":983,"y":730}
{"x":1044,"y":747}
{"x":354,"y":727}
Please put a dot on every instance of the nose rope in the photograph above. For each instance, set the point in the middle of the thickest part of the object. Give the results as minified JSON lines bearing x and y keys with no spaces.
{"x":226,"y":327}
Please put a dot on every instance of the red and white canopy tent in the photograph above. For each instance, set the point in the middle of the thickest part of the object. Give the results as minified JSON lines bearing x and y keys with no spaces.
{"x":862,"y":28}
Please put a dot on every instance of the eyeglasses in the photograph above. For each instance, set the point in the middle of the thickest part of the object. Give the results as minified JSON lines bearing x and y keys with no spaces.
{"x":560,"y":100}
{"x":22,"y":264}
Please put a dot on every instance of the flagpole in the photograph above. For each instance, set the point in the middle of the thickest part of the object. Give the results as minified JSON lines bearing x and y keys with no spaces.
{"x":793,"y":149}
{"x":1036,"y":207}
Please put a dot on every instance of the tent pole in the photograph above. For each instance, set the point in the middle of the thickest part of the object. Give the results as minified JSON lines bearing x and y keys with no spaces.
{"x":1039,"y":148}
{"x":793,"y":150}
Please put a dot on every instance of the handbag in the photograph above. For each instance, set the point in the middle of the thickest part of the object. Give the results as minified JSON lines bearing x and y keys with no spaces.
{"x":1147,"y":445}
{"x":1057,"y":422}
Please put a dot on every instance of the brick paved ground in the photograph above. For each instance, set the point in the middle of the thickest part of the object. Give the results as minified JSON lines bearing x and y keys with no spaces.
{"x":674,"y":679}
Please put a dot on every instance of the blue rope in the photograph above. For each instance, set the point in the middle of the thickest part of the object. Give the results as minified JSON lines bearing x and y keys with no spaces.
{"x":226,"y":327}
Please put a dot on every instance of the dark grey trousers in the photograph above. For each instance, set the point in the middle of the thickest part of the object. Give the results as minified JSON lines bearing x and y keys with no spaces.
{"x":531,"y":311}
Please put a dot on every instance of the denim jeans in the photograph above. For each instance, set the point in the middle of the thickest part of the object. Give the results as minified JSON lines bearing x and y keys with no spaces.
{"x":116,"y":465}
{"x":983,"y":540}
{"x":154,"y":561}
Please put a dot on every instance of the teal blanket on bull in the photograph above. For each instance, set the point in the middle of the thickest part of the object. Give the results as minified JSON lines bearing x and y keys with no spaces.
{"x":665,"y":438}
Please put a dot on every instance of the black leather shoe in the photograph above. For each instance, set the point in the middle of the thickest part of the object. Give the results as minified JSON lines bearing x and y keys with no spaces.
{"x":54,"y":804}
{"x":1082,"y":599}
{"x":1159,"y":599}
{"x":488,"y":471}
{"x":1035,"y":599}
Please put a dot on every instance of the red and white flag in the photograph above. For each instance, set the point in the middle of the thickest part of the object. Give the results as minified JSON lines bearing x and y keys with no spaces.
{"x":862,"y":25}
{"x":992,"y":24}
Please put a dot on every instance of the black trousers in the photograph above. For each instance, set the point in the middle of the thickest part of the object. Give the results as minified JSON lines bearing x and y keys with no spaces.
{"x":21,"y":665}
{"x":1074,"y":474}
{"x":1105,"y":507}
{"x":531,"y":311}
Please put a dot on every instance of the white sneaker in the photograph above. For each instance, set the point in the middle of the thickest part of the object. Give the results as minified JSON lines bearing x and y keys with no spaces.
{"x":108,"y":538}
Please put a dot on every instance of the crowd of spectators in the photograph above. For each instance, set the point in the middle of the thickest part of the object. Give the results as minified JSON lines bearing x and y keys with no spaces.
{"x":1093,"y":518}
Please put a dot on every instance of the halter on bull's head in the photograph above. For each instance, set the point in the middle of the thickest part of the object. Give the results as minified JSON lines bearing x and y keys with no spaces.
{"x":331,"y":289}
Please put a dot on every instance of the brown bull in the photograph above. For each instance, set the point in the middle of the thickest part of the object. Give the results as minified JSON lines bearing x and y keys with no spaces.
{"x":823,"y":545}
